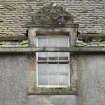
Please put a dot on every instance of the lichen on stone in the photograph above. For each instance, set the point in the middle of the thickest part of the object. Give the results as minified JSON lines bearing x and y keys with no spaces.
{"x":7,"y":44}
{"x":90,"y":44}
{"x":52,"y":14}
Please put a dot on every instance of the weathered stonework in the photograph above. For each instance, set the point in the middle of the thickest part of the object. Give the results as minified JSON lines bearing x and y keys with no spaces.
{"x":16,"y":14}
{"x":71,"y":32}
{"x":52,"y":14}
{"x":16,"y":63}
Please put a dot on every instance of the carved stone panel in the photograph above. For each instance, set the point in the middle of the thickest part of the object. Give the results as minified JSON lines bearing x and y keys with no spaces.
{"x":52,"y":14}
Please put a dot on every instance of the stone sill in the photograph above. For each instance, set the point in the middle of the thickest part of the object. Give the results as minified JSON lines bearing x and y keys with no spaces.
{"x":75,"y":50}
{"x":53,"y":91}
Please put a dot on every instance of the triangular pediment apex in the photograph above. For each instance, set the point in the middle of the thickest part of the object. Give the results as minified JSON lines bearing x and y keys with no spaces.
{"x":52,"y":14}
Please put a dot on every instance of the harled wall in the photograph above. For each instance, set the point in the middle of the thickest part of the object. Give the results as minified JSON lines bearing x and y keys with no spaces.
{"x":14,"y":82}
{"x":91,"y":80}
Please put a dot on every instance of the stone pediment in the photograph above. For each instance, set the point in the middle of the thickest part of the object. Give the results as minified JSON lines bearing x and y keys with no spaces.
{"x":52,"y":14}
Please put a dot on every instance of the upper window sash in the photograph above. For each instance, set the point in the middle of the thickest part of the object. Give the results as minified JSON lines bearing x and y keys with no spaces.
{"x":52,"y":41}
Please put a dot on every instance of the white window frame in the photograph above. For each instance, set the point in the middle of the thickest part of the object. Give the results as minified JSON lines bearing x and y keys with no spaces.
{"x":51,"y":86}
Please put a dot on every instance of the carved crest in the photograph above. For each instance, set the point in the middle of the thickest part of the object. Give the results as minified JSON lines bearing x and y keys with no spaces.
{"x":52,"y":14}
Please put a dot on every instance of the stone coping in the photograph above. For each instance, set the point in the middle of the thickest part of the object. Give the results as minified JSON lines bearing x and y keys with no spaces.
{"x":72,"y":25}
{"x":73,"y":50}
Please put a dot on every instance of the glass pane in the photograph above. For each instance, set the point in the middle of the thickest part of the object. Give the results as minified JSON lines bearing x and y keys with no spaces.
{"x":51,"y":41}
{"x":63,"y":42}
{"x":53,"y":75}
{"x":42,"y":80}
{"x":59,"y":80}
{"x":42,"y":42}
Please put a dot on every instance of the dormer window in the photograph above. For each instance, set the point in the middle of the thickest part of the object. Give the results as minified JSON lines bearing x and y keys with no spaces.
{"x":53,"y":70}
{"x":53,"y":67}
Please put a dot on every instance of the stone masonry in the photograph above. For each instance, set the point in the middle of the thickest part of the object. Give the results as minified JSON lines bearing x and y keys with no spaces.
{"x":15,"y":15}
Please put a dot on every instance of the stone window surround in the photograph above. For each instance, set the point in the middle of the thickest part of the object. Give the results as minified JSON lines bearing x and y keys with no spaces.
{"x":32,"y":89}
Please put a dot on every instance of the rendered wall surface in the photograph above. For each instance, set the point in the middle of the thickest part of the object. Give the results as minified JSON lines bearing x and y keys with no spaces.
{"x":15,"y":15}
{"x":14,"y":83}
{"x":13,"y":80}
{"x":52,"y":100}
{"x":92,"y":80}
